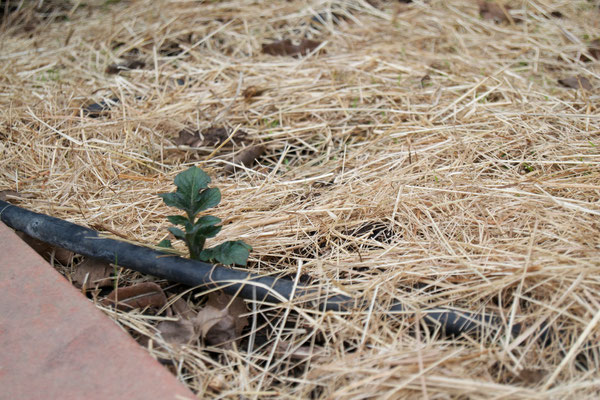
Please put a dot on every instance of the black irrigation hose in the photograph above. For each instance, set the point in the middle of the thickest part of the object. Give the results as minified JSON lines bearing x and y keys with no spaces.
{"x":250,"y":286}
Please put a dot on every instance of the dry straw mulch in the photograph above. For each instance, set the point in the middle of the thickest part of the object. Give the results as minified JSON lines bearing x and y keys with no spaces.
{"x":421,"y":153}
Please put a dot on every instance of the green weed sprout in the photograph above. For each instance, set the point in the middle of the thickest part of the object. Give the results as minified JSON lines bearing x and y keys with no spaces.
{"x":194,"y":196}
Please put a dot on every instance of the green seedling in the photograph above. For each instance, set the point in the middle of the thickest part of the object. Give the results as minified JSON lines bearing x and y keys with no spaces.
{"x":194,"y":196}
{"x":528,"y":167}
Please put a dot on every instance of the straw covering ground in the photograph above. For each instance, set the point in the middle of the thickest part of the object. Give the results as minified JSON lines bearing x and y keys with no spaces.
{"x":421,"y":153}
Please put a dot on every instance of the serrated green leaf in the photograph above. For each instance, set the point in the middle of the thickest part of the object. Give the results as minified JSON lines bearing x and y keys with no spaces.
{"x":209,"y":231}
{"x":165,"y":243}
{"x":193,"y":196}
{"x":209,"y":255}
{"x":236,"y":252}
{"x":206,"y":220}
{"x":189,"y":227}
{"x":178,"y":233}
{"x":206,"y":231}
{"x":191,"y":180}
{"x":174,"y":200}
{"x":189,"y":183}
{"x":177,"y":219}
{"x":208,"y":198}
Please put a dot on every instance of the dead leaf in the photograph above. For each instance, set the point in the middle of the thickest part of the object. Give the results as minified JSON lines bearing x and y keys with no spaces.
{"x":530,"y":376}
{"x":182,"y":308}
{"x":494,"y":11}
{"x":125,"y":66}
{"x":221,"y":322}
{"x":142,"y":295}
{"x":576,"y":82}
{"x":556,"y":14}
{"x":235,"y":306}
{"x":91,"y":273}
{"x":8,"y":195}
{"x":252,"y":91}
{"x":208,"y":317}
{"x":209,"y":137}
{"x":177,"y":332}
{"x":95,"y":110}
{"x":246,"y":157}
{"x":216,"y":136}
{"x":285,"y":47}
{"x":186,"y":138}
{"x":5,"y":194}
{"x":46,"y":250}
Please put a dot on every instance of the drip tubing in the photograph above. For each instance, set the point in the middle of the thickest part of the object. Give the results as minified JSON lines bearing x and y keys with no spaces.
{"x":89,"y":243}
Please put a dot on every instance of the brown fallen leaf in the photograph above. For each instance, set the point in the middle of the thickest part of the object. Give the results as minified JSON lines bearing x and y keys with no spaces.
{"x":235,"y":307}
{"x":576,"y":82}
{"x":246,"y":157}
{"x":142,"y":295}
{"x":494,"y":11}
{"x":46,"y":250}
{"x":285,"y":47}
{"x":530,"y":376}
{"x":208,"y":317}
{"x":95,"y":110}
{"x":11,"y":195}
{"x":556,"y":14}
{"x":91,"y":273}
{"x":209,"y":137}
{"x":181,"y":308}
{"x":186,"y":138}
{"x":252,"y":91}
{"x":221,"y":322}
{"x":125,"y":66}
{"x":216,"y":136}
{"x":177,"y":332}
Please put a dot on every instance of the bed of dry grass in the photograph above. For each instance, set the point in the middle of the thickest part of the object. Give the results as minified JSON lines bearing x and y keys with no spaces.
{"x":422,"y":154}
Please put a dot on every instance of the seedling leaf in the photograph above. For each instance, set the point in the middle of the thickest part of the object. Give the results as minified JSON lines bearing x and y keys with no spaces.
{"x":193,"y":196}
{"x":208,"y":231}
{"x":178,"y":233}
{"x":234,"y":252}
{"x":208,"y":198}
{"x":206,"y":220}
{"x":191,"y":180}
{"x":177,"y":219}
{"x":165,"y":244}
{"x":174,"y":200}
